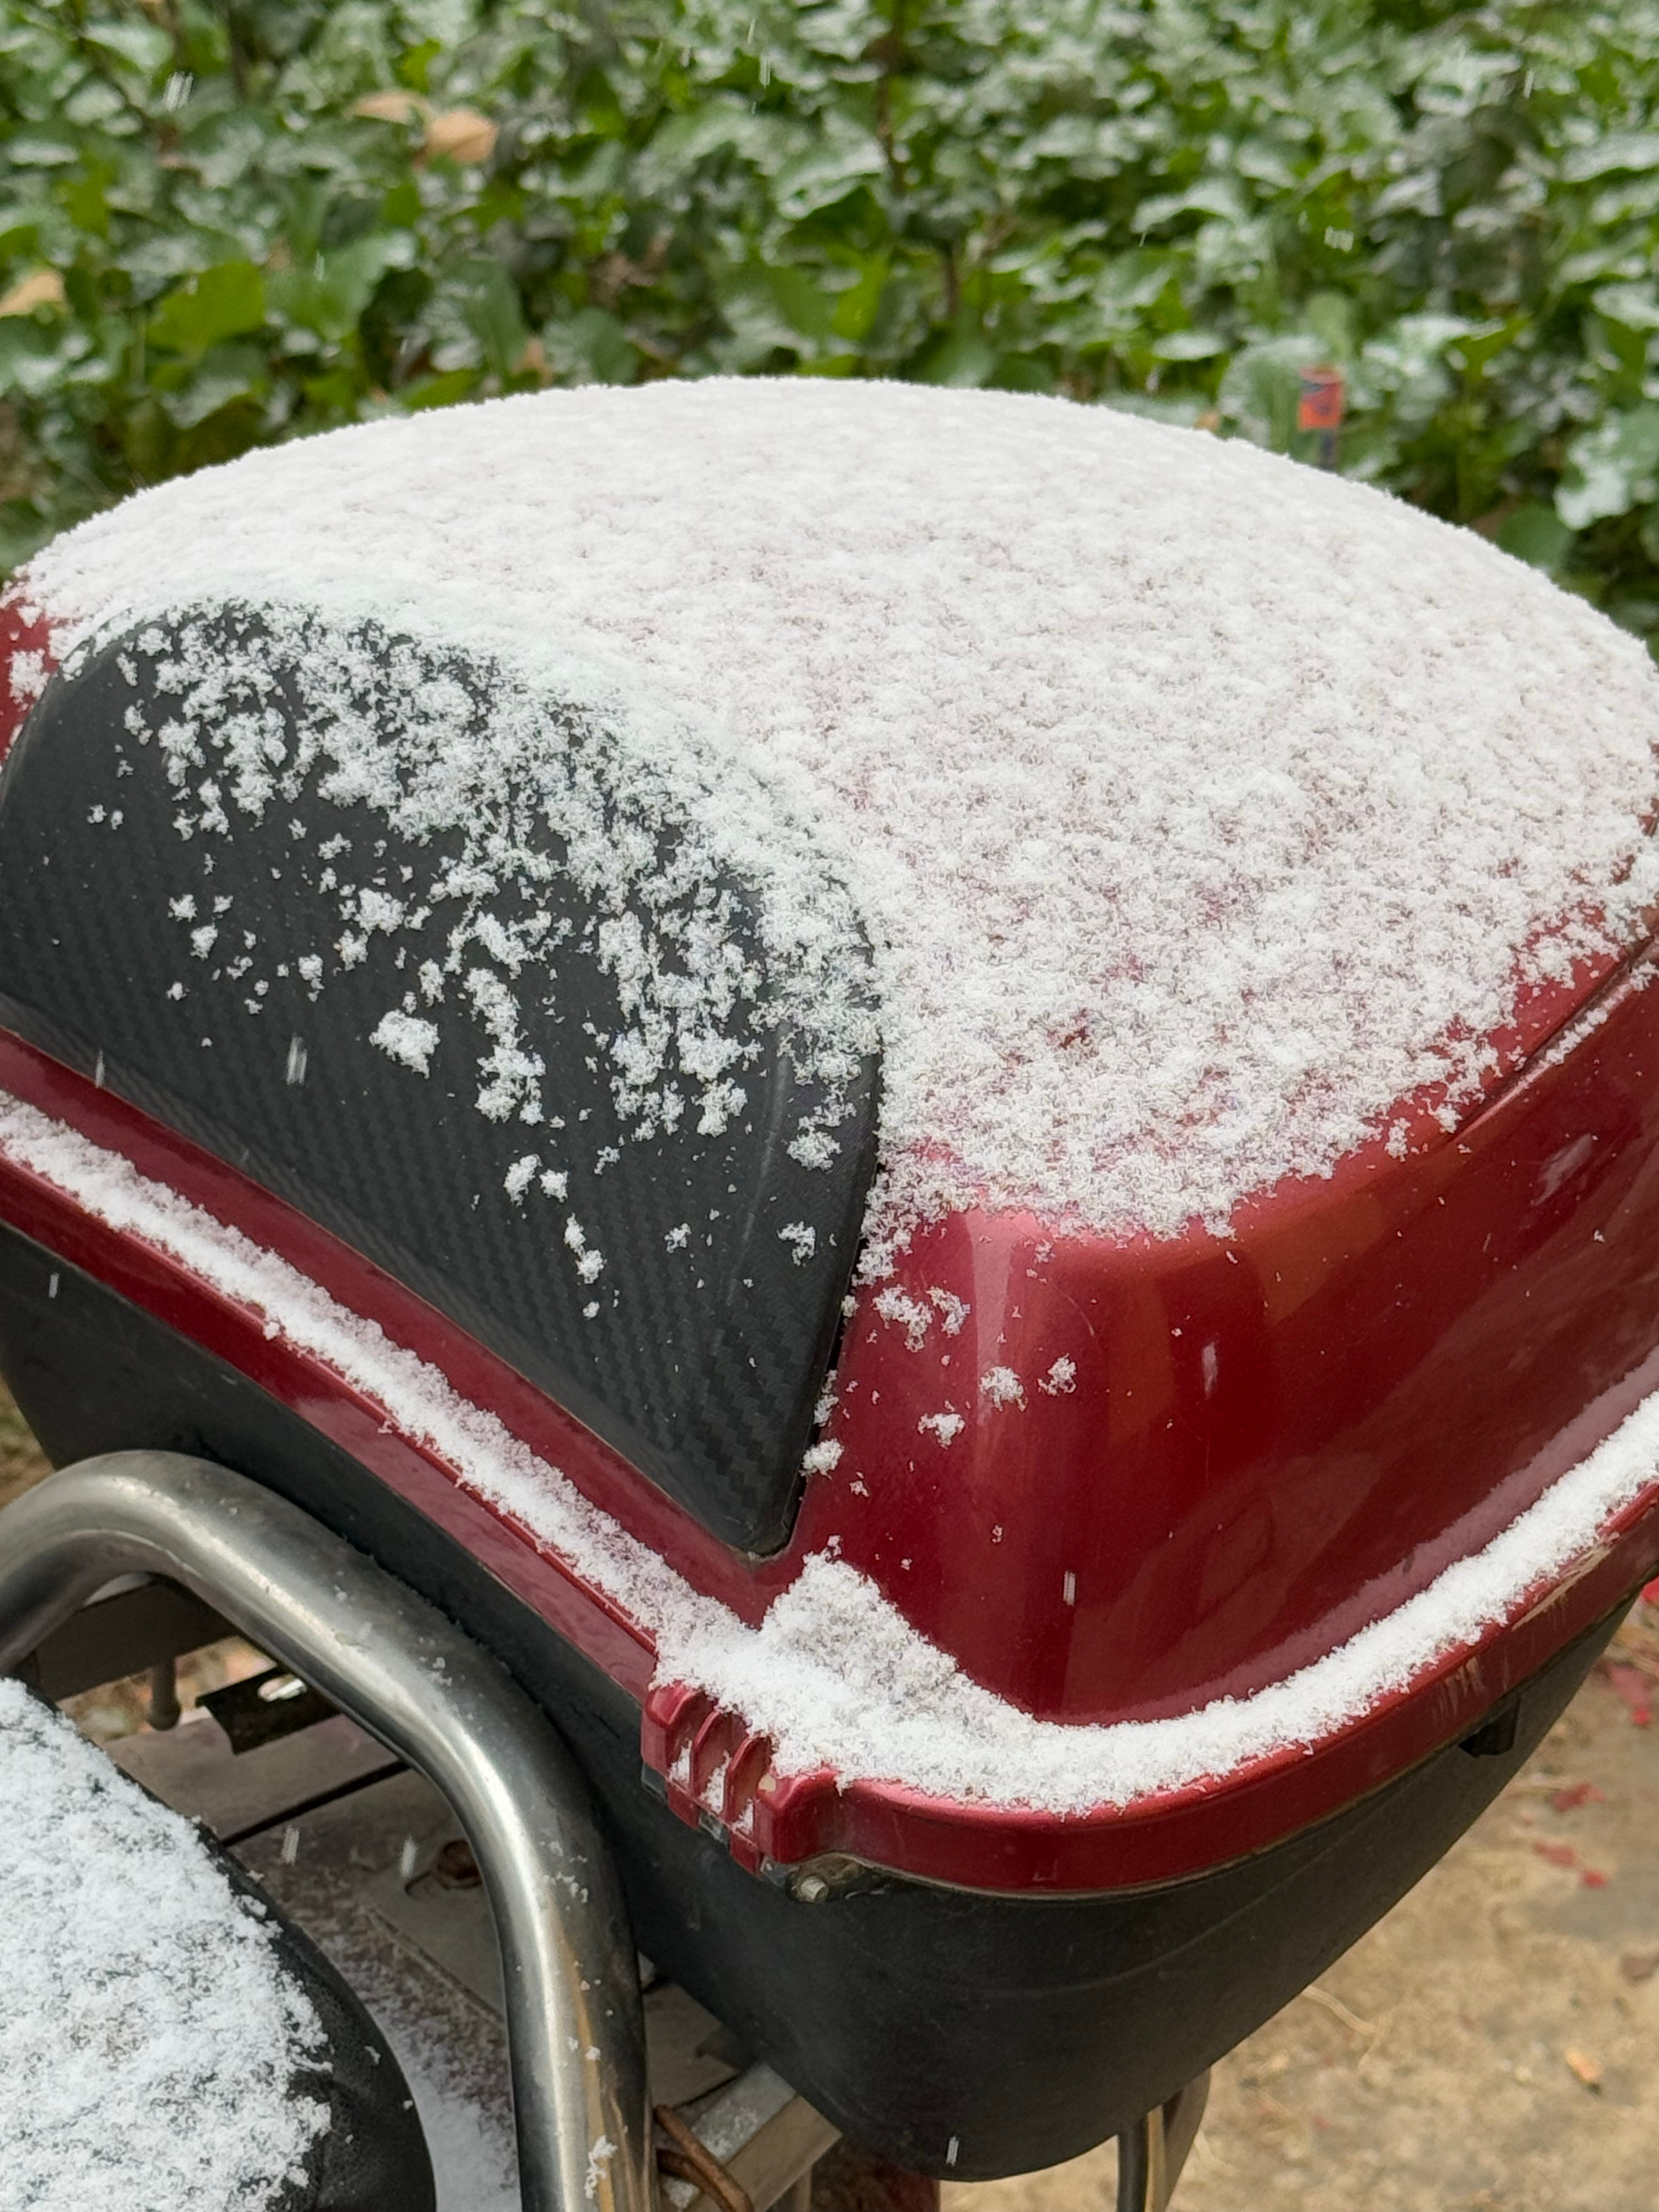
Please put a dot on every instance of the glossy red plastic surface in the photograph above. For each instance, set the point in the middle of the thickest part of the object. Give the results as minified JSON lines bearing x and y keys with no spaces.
{"x":1267,"y":1441}
{"x":1211,"y":1461}
{"x":26,"y":656}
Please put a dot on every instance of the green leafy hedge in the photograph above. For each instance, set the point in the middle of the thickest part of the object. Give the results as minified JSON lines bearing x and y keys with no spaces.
{"x":225,"y":225}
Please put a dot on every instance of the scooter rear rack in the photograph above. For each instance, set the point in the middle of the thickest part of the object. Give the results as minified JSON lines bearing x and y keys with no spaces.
{"x":392,"y":1663}
{"x":120,"y":1564}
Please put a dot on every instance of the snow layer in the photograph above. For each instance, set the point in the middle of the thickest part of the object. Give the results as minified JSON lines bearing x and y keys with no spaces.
{"x":834,"y":1673}
{"x":469,"y":2136}
{"x":148,"y":2032}
{"x":1198,"y":805}
{"x":493,"y":790}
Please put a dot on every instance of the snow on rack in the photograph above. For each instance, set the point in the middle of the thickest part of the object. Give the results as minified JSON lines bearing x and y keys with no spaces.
{"x":149,"y":2033}
{"x":1197,"y":806}
{"x":834,"y":1673}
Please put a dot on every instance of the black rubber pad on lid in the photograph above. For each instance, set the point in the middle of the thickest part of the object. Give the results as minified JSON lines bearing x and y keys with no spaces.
{"x":173,"y":885}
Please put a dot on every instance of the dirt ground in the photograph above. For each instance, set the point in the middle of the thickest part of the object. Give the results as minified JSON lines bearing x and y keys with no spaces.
{"x":21,"y":1462}
{"x":1491,"y":2046}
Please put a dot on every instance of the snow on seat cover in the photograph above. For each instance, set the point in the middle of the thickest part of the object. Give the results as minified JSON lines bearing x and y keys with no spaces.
{"x":448,"y":963}
{"x":167,"y":2042}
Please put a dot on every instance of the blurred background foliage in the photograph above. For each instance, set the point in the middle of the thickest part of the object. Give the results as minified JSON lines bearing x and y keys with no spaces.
{"x":224,"y":222}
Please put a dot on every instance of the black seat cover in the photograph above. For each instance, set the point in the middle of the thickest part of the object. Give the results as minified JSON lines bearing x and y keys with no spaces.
{"x":171,"y":950}
{"x":373,"y":2154}
{"x":370,"y":2152}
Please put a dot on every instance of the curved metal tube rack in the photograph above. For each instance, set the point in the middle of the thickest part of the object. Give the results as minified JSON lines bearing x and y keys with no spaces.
{"x":410,"y":1677}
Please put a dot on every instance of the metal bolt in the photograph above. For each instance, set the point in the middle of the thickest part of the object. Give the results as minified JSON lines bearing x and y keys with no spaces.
{"x":163,"y":1695}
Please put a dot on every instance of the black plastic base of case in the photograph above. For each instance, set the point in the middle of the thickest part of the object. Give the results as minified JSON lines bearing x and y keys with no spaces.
{"x":952,"y":2032}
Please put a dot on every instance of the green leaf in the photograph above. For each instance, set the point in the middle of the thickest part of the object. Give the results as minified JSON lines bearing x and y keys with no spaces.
{"x":35,"y":358}
{"x":445,"y":390}
{"x":1618,"y":150}
{"x":23,"y":531}
{"x":962,"y":359}
{"x":1404,"y":369}
{"x":591,"y":347}
{"x":1217,"y":196}
{"x":329,"y":296}
{"x":228,"y":374}
{"x":770,"y":307}
{"x":222,"y":302}
{"x":20,"y":233}
{"x":1536,"y":533}
{"x":686,"y":139}
{"x":1332,"y":319}
{"x":490,"y":305}
{"x":414,"y":67}
{"x":143,"y":46}
{"x":1184,"y":411}
{"x":1611,"y":468}
{"x":1634,"y":306}
{"x":857,"y":307}
{"x":1189,"y":345}
{"x":1476,"y":348}
{"x":822,"y":175}
{"x":41,"y":150}
{"x":1017,"y":372}
{"x":84,"y":200}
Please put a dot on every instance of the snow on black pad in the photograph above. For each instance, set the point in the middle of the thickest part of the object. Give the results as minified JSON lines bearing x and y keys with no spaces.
{"x":477,"y":776}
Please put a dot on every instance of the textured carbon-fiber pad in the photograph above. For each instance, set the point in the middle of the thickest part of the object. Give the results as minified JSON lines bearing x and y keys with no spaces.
{"x":677,"y":1287}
